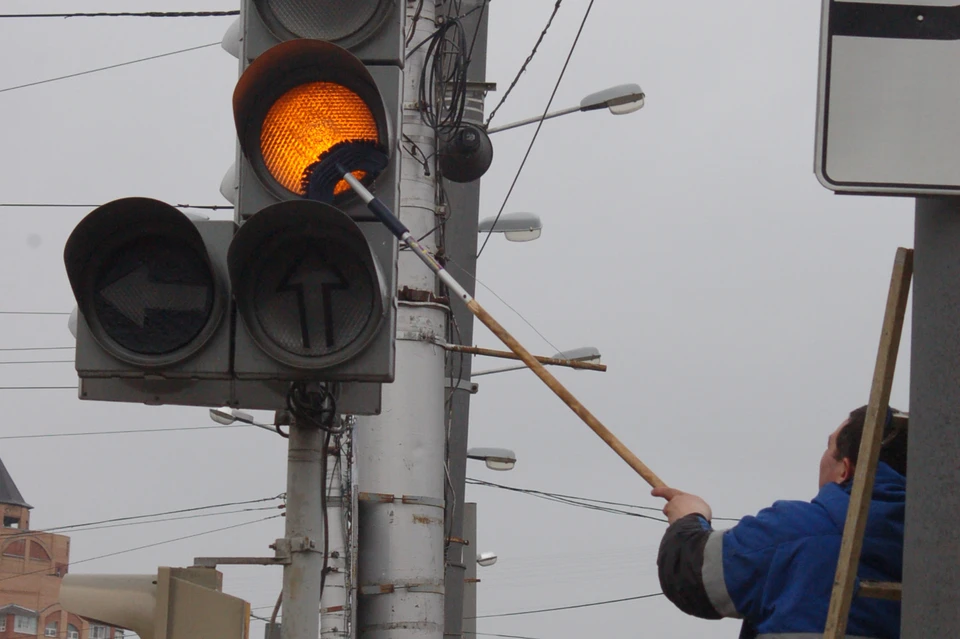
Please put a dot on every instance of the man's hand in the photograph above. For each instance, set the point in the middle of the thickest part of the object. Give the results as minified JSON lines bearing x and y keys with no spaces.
{"x":681,"y":504}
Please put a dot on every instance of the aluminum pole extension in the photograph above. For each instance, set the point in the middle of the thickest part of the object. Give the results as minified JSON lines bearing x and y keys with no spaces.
{"x":403,"y":234}
{"x":304,"y":534}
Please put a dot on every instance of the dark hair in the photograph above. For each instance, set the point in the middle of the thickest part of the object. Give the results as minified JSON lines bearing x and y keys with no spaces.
{"x":893,"y":451}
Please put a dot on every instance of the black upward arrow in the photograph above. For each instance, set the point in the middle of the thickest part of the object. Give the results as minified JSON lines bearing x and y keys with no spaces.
{"x":310,"y":272}
{"x":894,"y":21}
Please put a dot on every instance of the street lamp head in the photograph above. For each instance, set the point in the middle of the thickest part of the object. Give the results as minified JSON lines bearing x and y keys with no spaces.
{"x":72,"y":321}
{"x":486,"y":559}
{"x":227,"y":416}
{"x":620,"y":100}
{"x":516,"y":227}
{"x":582,"y":354}
{"x":495,"y":458}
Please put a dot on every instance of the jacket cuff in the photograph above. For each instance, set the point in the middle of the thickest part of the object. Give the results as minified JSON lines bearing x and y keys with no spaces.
{"x":680,"y":564}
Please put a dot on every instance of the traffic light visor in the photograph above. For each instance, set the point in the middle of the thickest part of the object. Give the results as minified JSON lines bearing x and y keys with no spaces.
{"x":297,"y":101}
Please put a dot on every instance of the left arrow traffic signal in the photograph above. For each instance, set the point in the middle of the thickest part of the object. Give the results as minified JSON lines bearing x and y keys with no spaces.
{"x":153,"y":292}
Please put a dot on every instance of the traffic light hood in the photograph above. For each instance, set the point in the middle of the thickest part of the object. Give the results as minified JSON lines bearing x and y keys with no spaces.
{"x":297,"y":101}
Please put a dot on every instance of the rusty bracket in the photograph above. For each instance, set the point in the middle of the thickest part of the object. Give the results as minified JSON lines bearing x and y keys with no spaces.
{"x":434,"y":587}
{"x":285,"y":548}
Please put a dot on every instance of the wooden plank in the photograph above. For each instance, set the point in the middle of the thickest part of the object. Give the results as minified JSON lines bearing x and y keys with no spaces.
{"x":881,"y":590}
{"x":865,"y":471}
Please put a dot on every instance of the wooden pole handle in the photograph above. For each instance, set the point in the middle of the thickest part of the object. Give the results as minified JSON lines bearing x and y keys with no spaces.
{"x":554,"y":384}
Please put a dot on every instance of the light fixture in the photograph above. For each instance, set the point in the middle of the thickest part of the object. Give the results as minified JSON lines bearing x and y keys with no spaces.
{"x":486,"y":559}
{"x":516,"y":227}
{"x":619,"y":100}
{"x":227,"y":416}
{"x":495,"y":458}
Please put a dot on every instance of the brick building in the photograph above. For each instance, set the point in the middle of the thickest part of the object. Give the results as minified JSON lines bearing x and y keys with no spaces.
{"x":32,"y":563}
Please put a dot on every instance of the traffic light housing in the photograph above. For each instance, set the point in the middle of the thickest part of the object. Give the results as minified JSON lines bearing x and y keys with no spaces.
{"x":153,"y":293}
{"x":174,"y":603}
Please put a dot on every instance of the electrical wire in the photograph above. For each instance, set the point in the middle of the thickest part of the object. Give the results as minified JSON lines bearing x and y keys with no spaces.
{"x":142,"y":14}
{"x":505,"y":303}
{"x":44,"y":205}
{"x":526,"y":63}
{"x":536,"y":133}
{"x":125,"y":432}
{"x":6,"y":388}
{"x":34,"y":313}
{"x":582,"y":502}
{"x":572,"y":607}
{"x":145,"y":546}
{"x":112,"y":66}
{"x":38,"y":348}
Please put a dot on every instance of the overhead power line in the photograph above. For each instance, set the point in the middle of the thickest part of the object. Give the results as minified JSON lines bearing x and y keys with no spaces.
{"x":52,"y":205}
{"x":132,"y":431}
{"x":142,"y":14}
{"x":145,"y":546}
{"x":34,"y":313}
{"x":536,"y":133}
{"x":601,"y":505}
{"x":38,"y":348}
{"x":573,"y":607}
{"x":526,"y":62}
{"x":112,"y":66}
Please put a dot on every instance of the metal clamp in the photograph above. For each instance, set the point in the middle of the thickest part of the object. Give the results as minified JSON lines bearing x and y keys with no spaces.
{"x":414,"y":500}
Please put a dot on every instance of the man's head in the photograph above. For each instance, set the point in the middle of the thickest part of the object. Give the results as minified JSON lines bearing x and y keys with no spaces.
{"x":843,"y":447}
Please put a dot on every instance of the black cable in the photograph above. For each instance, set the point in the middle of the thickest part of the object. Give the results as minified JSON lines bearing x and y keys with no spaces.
{"x":533,"y":140}
{"x":143,"y":14}
{"x":43,"y":205}
{"x":572,"y":500}
{"x":526,"y":62}
{"x":112,"y":66}
{"x":4,"y":388}
{"x":573,"y":607}
{"x":34,"y":313}
{"x":38,"y":348}
{"x":125,"y":432}
{"x":39,"y":361}
{"x":314,"y":408}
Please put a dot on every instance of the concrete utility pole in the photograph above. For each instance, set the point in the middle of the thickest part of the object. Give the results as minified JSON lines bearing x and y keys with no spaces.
{"x":931,"y":572}
{"x":401,"y":453}
{"x":304,"y":534}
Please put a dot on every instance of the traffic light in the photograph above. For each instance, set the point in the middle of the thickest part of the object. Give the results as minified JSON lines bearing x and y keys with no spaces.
{"x":153,"y":295}
{"x":174,"y":603}
{"x":315,"y":76}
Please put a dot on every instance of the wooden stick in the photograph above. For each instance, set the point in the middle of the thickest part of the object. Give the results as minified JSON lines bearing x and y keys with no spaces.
{"x":549,"y":361}
{"x":869,"y":455}
{"x":540,"y":371}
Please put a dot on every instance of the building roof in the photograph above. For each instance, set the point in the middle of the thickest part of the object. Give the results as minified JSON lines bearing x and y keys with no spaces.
{"x":14,"y":609}
{"x":9,"y":494}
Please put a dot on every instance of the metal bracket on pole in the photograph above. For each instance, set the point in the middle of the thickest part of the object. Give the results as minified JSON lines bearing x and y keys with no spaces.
{"x":463,"y":385}
{"x":409,"y":586}
{"x":213,"y":562}
{"x":414,"y":500}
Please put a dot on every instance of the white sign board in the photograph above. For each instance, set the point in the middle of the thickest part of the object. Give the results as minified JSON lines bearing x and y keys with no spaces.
{"x":888,"y":116}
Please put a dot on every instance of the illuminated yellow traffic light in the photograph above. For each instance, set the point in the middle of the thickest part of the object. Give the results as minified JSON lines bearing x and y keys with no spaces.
{"x":306,"y":122}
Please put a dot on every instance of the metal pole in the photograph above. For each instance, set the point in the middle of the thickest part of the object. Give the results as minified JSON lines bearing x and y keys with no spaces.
{"x":461,"y":249}
{"x":304,"y":535}
{"x":335,"y":599}
{"x":470,"y":580}
{"x":519,"y":123}
{"x":400,"y":453}
{"x":931,"y":572}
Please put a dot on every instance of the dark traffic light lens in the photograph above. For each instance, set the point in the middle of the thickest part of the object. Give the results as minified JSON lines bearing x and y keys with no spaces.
{"x":333,"y":21}
{"x":313,"y":297}
{"x":153,"y":296}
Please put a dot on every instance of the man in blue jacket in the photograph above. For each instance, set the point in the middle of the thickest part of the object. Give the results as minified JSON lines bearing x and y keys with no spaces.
{"x":775,"y":571}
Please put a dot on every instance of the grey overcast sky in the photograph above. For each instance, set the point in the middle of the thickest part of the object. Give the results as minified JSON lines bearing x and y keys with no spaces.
{"x":737,"y":302}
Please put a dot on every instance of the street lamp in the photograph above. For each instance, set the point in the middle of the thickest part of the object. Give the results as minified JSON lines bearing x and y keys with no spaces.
{"x":582,"y":354}
{"x":487,"y":558}
{"x":619,"y":100}
{"x":227,"y":416}
{"x":494,"y":458}
{"x":516,"y":227}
